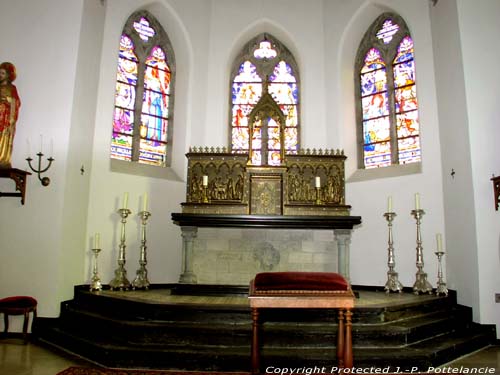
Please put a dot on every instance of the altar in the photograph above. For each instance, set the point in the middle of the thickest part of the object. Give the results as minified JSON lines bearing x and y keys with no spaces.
{"x":240,"y":219}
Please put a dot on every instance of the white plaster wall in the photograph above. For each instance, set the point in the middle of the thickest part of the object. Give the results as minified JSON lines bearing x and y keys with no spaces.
{"x":479,"y":30}
{"x":44,"y":47}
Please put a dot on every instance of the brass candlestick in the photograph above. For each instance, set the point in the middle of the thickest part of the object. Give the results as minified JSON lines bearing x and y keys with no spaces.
{"x":421,"y":283}
{"x":205,"y":194}
{"x":441,"y":285}
{"x":141,"y":280}
{"x":120,"y":281}
{"x":392,"y":284}
{"x":95,"y":281}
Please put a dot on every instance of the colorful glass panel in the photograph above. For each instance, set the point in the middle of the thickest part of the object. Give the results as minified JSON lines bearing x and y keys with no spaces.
{"x":265,"y":51}
{"x":373,"y":82}
{"x":377,"y":155}
{"x":406,"y":99}
{"x":409,"y":150}
{"x":375,"y":106}
{"x":152,"y":152}
{"x":404,"y":73}
{"x":240,"y":138}
{"x":144,"y":30}
{"x":407,"y":124}
{"x":121,"y":146}
{"x":291,"y":141}
{"x":405,"y":50}
{"x":123,"y":121}
{"x":373,"y":61}
{"x":387,"y":31}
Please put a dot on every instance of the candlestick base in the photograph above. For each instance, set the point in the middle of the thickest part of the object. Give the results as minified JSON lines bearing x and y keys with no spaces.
{"x":393,"y":284}
{"x":141,"y":280}
{"x":120,"y":281}
{"x":421,"y":284}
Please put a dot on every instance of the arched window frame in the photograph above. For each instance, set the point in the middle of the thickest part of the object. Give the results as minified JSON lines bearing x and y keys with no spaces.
{"x":388,"y":53}
{"x":142,"y":50}
{"x":264,"y":69}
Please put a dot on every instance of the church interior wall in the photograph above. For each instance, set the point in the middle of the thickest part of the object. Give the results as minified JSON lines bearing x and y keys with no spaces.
{"x":206,"y":35}
{"x":479,"y":49}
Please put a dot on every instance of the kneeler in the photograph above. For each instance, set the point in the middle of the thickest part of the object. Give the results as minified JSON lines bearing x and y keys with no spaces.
{"x":308,"y":290}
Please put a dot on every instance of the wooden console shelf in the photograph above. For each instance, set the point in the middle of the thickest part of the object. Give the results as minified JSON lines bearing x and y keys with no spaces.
{"x":19,"y":177}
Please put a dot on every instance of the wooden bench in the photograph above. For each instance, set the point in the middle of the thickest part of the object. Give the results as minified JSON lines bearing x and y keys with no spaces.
{"x":308,"y":290}
{"x":18,"y":305}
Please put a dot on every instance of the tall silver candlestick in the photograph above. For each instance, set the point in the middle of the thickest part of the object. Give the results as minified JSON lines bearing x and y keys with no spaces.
{"x":441,"y":285}
{"x":120,"y":281}
{"x":421,"y":283}
{"x":141,"y":280}
{"x":392,"y":284}
{"x":95,"y":281}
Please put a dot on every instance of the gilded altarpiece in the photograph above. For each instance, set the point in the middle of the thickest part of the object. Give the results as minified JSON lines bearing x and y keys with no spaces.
{"x":310,"y":182}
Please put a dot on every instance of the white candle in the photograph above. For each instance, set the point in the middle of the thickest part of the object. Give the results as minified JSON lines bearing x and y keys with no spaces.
{"x":41,"y":143}
{"x":389,"y":204}
{"x":417,"y":201}
{"x":96,"y":241}
{"x":51,"y":147}
{"x":29,"y":147}
{"x":205,"y":180}
{"x":439,"y":240}
{"x":145,"y":202}
{"x":125,"y":200}
{"x":318,"y":181}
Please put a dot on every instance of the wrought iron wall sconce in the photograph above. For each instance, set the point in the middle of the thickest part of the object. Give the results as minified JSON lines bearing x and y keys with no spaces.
{"x":44,"y":180}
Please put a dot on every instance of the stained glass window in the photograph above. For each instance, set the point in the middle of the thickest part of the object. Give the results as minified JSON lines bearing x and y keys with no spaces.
{"x":268,"y":69}
{"x":387,"y":106}
{"x":142,"y":127}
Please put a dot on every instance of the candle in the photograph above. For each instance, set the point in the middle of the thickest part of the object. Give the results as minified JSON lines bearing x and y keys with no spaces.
{"x":41,"y":143}
{"x":125,"y":200}
{"x":318,"y":181}
{"x":145,"y":202}
{"x":205,"y":180}
{"x":439,"y":240}
{"x":389,"y":204}
{"x":417,"y":201}
{"x":29,"y":147}
{"x":96,"y":241}
{"x":51,"y":147}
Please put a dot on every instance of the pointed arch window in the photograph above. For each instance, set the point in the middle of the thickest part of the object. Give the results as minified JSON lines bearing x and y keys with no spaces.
{"x":265,"y":102}
{"x":387,"y":106}
{"x":142,"y":121}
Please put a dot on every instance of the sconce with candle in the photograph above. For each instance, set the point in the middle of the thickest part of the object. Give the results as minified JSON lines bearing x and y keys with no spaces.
{"x":44,"y":180}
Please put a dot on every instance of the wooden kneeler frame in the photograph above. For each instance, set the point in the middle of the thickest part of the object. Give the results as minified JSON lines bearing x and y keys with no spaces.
{"x":308,"y":290}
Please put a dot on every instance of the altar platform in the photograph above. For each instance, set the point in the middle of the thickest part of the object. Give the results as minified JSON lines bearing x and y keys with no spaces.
{"x":208,"y":327}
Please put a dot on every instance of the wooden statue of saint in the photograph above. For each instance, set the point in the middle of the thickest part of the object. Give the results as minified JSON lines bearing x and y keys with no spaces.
{"x":9,"y":111}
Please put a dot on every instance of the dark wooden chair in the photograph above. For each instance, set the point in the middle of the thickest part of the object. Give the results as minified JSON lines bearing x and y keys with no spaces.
{"x":18,"y":305}
{"x":309,"y":290}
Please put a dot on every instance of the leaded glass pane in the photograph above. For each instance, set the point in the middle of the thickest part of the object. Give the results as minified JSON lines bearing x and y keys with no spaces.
{"x":273,"y":142}
{"x":256,"y":157}
{"x":121,"y":146}
{"x":387,"y":31}
{"x":152,"y":152}
{"x":405,"y":50}
{"x":246,"y":93}
{"x":373,"y":61}
{"x":274,"y":158}
{"x":377,"y":130}
{"x":375,"y":106}
{"x":124,"y":95}
{"x":265,"y":51}
{"x":144,"y":30}
{"x":404,"y":73}
{"x":123,"y":121}
{"x":409,"y":150}
{"x":405,"y":99}
{"x":378,"y":155}
{"x":290,"y":112}
{"x":290,"y":139}
{"x":156,"y":128}
{"x":247,"y":73}
{"x":257,"y":138}
{"x":373,"y":82}
{"x":407,"y":124}
{"x":240,"y":139}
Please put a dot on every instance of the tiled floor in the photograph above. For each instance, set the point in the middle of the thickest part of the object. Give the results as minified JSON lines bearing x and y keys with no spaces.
{"x":32,"y":359}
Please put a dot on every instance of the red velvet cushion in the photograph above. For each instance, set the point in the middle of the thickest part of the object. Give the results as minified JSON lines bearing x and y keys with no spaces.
{"x":300,"y":281}
{"x":18,"y":302}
